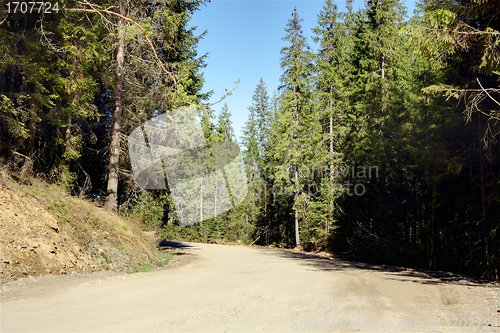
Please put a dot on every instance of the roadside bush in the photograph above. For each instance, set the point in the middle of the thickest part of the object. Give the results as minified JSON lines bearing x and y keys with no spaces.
{"x":149,"y":210}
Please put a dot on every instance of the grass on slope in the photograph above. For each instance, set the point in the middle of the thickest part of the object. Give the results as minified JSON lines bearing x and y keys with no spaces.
{"x":48,"y":231}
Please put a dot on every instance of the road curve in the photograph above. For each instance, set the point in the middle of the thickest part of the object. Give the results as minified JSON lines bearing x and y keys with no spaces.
{"x":247,"y":289}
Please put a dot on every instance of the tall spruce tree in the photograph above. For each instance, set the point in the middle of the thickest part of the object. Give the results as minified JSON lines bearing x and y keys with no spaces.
{"x":298,"y":131}
{"x":333,"y":74}
{"x":256,"y":140}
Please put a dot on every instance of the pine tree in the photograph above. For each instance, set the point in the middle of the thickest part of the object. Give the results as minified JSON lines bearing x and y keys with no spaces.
{"x":384,"y":108}
{"x":224,"y":127}
{"x":256,"y":140}
{"x":159,"y":71}
{"x":298,"y":131}
{"x":332,"y":89}
{"x":114,"y":145}
{"x":48,"y":88}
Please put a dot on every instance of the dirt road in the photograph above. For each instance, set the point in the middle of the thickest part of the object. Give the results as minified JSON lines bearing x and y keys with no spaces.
{"x":242,"y":289}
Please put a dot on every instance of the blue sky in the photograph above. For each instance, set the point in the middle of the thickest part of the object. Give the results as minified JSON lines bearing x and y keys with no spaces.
{"x":243,"y":42}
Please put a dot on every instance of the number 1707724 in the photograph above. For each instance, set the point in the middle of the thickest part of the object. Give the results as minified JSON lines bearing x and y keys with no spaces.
{"x":32,"y":7}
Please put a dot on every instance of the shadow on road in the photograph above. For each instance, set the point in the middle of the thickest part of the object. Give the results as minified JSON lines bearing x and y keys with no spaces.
{"x":173,"y":245}
{"x":400,"y":273}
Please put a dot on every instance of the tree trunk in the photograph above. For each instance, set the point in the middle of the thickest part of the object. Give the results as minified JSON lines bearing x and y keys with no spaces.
{"x":114,"y":146}
{"x":331,"y":170}
{"x":434,"y":228}
{"x":484,"y":218}
{"x":297,"y":236}
{"x":215,"y":192}
{"x":201,"y":200}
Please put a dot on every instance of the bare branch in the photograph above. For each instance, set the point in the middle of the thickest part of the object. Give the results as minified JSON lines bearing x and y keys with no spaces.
{"x":473,"y":31}
{"x":472,"y":99}
{"x":487,"y":93}
{"x":226,"y":94}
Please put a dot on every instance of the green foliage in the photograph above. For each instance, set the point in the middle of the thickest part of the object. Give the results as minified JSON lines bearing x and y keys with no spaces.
{"x":257,"y":143}
{"x":146,"y":268}
{"x":297,"y":129}
{"x":163,"y":259}
{"x":149,"y":209}
{"x":383,"y":95}
{"x":228,"y":228}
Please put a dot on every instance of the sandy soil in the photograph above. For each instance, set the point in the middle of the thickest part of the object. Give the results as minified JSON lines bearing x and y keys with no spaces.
{"x":244,"y":289}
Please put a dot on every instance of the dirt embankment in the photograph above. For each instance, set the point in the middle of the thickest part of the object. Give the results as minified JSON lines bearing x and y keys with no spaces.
{"x":46,"y":231}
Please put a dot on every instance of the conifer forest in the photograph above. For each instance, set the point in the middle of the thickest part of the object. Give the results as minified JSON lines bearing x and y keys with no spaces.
{"x":381,"y":143}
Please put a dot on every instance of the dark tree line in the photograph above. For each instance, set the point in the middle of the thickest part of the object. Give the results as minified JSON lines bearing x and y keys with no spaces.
{"x":383,"y":145}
